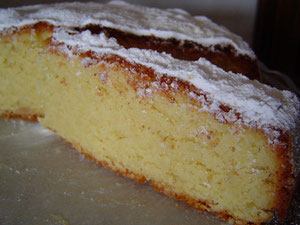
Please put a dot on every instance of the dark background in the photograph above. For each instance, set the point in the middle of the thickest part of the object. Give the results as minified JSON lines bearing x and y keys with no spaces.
{"x":277,"y":36}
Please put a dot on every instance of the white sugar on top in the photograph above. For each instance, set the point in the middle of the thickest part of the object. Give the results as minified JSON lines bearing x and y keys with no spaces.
{"x":171,"y":23}
{"x":258,"y":104}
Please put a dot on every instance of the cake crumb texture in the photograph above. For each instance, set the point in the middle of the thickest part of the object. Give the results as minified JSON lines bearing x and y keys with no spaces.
{"x":108,"y":112}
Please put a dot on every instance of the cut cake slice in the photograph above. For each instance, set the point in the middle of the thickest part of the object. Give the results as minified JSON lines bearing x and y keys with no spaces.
{"x":135,"y":102}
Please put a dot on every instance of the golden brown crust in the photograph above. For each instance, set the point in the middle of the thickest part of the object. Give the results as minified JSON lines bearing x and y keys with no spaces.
{"x":203,"y":206}
{"x":27,"y":116}
{"x":39,"y":27}
{"x":286,"y":176}
{"x":123,"y":172}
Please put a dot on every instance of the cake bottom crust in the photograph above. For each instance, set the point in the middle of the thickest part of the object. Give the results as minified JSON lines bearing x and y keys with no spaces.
{"x":23,"y":114}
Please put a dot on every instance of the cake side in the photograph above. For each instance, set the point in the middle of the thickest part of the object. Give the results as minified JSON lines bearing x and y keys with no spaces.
{"x":137,"y":103}
{"x":182,"y":35}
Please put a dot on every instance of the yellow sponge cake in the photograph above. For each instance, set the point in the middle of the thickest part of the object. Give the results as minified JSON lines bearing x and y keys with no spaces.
{"x":161,"y":102}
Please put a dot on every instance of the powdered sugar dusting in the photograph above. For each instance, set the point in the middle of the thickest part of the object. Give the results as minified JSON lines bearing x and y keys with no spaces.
{"x":171,"y":23}
{"x":259,"y":105}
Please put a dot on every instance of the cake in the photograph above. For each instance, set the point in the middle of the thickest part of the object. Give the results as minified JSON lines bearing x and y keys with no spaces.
{"x":158,"y":96}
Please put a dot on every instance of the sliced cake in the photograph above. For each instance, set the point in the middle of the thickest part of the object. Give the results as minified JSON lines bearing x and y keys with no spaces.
{"x":128,"y":86}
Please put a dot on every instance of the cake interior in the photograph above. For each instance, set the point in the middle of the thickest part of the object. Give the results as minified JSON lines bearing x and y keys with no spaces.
{"x":223,"y":168}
